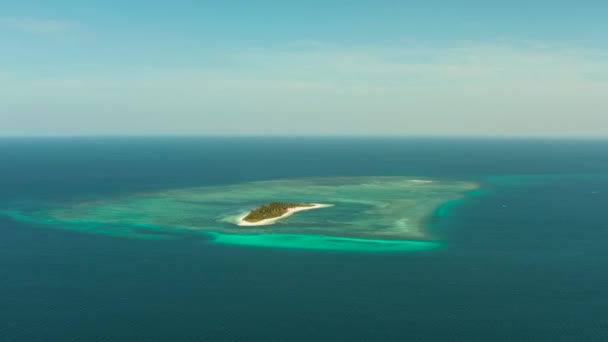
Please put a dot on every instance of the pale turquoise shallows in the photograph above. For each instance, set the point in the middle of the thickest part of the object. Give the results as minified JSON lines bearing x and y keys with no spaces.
{"x":368,"y":213}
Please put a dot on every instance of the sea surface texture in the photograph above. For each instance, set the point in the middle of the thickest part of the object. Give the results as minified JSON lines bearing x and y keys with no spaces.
{"x":134,"y":239}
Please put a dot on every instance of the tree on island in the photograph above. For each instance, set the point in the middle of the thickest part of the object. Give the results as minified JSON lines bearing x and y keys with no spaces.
{"x":272,"y":210}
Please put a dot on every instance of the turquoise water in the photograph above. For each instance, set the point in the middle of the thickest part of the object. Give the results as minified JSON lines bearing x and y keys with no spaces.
{"x":321,"y":242}
{"x":89,"y":252}
{"x":367,"y":213}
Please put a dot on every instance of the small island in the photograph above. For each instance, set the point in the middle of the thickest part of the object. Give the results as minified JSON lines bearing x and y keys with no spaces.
{"x":271,"y":212}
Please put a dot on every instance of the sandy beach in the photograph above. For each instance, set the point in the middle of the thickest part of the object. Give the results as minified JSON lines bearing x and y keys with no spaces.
{"x":290,"y":211}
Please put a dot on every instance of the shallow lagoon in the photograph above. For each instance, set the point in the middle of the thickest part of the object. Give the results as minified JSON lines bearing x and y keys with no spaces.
{"x":368,"y":213}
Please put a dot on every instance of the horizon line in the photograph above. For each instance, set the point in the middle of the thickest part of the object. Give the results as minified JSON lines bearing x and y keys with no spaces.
{"x":310,"y":136}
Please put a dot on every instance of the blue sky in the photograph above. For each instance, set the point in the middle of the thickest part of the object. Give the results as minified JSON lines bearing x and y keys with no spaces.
{"x":304,"y":68}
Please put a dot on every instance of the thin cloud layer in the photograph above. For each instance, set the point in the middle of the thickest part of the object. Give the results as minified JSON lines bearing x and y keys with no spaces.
{"x":488,"y":90}
{"x":40,"y":26}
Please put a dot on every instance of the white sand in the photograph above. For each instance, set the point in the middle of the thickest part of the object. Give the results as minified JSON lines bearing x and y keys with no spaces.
{"x":290,"y":211}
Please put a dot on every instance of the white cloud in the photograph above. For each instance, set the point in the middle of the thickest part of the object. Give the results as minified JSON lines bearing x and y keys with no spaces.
{"x":402,"y":65}
{"x":42,"y":26}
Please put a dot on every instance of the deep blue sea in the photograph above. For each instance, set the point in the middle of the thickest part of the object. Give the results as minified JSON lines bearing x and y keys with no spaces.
{"x":525,"y":260}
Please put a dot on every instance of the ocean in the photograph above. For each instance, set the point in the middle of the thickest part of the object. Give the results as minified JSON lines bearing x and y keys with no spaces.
{"x":525,"y":258}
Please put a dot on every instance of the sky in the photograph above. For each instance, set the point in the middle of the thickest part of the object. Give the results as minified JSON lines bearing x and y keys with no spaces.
{"x":394,"y":68}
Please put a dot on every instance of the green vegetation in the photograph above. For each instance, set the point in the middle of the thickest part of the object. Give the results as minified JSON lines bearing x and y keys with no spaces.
{"x":271,"y":210}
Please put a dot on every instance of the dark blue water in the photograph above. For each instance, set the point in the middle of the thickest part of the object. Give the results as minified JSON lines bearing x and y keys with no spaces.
{"x":527,"y":260}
